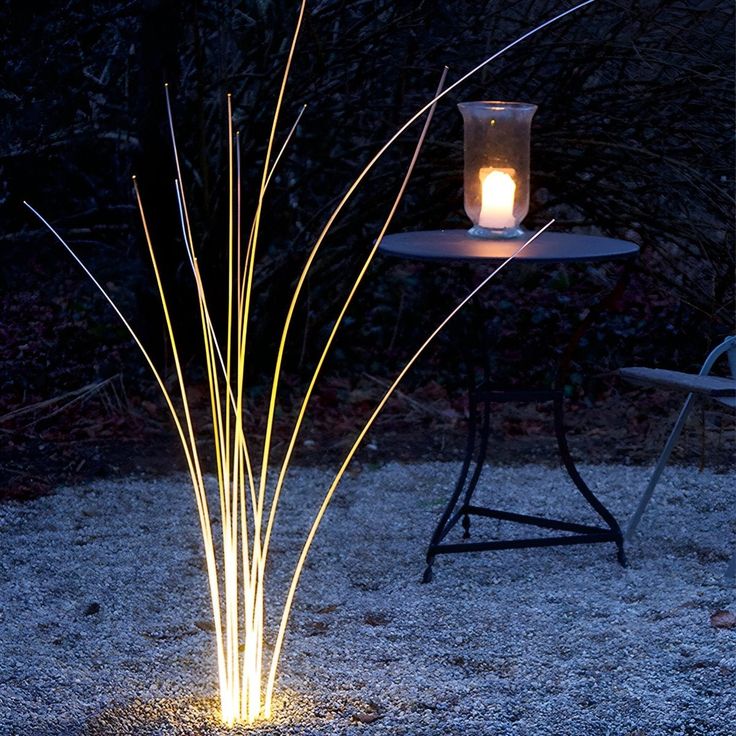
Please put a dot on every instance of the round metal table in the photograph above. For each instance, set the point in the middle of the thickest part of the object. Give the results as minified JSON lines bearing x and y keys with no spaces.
{"x":457,"y":245}
{"x":550,"y":247}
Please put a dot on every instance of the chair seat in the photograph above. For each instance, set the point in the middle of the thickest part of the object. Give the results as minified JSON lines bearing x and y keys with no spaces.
{"x":722,"y":389}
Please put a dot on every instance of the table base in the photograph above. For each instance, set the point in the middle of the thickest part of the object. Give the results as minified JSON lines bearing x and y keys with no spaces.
{"x":466,"y":485}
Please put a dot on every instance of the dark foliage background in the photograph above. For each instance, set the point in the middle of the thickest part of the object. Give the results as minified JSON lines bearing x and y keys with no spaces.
{"x":633,"y":139}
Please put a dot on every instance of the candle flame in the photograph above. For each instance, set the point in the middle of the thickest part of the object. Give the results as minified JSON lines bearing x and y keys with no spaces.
{"x":498,"y":190}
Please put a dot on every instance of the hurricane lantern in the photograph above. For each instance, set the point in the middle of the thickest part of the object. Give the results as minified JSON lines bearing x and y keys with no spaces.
{"x":496,"y":179}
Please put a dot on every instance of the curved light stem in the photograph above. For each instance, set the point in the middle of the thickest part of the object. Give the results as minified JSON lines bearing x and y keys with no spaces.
{"x":190,"y":453}
{"x":341,"y":204}
{"x":338,"y":322}
{"x":252,"y":248}
{"x":361,"y":435}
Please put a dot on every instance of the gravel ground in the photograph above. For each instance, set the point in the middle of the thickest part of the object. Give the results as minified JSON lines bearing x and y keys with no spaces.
{"x":104,"y":626}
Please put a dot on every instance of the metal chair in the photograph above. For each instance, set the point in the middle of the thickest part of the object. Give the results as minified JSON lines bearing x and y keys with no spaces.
{"x":722,"y":390}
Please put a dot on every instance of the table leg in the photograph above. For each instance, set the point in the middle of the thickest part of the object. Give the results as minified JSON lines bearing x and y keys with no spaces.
{"x":482,"y":451}
{"x":581,"y":485}
{"x":578,"y":533}
{"x":448,"y":519}
{"x":442,"y":528}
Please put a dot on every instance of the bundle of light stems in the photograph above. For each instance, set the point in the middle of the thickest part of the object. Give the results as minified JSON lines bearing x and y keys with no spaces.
{"x":247,"y":512}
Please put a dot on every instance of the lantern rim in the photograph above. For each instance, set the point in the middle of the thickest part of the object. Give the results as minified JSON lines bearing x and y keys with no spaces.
{"x":497,"y":105}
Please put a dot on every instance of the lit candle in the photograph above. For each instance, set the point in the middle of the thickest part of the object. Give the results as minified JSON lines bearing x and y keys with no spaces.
{"x":497,"y":198}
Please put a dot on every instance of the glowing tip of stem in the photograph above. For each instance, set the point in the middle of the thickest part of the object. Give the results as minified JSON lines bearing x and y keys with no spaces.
{"x":134,"y":177}
{"x":166,"y":84}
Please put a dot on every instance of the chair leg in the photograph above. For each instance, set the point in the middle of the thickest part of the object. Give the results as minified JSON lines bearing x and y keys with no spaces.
{"x":731,"y":569}
{"x":663,"y":458}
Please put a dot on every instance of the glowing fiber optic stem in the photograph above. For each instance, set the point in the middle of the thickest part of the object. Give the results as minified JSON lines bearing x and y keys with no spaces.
{"x":349,"y":457}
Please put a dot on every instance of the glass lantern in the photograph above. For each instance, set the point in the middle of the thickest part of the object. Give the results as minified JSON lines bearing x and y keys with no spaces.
{"x":496,"y":177}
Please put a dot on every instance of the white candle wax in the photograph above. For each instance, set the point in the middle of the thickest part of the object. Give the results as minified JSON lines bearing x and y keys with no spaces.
{"x":497,"y":199}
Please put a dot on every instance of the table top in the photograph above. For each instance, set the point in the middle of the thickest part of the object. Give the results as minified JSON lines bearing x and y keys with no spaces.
{"x":457,"y":245}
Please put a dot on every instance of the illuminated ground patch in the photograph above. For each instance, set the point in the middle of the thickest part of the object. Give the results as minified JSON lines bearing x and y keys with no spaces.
{"x":105,"y":629}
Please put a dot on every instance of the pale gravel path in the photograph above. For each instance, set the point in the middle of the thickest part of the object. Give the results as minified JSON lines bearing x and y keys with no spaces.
{"x":555,"y":641}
